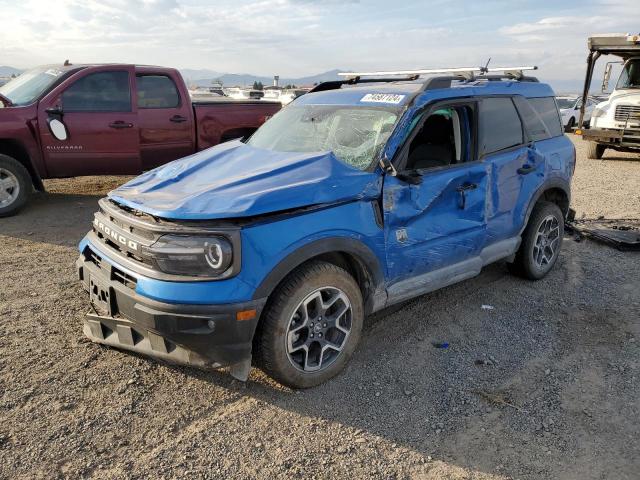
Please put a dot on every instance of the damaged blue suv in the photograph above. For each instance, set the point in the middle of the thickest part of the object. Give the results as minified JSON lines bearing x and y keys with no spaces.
{"x":362,"y":194}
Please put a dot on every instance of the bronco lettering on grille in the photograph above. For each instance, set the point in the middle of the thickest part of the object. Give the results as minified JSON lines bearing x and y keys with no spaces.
{"x":115,"y":236}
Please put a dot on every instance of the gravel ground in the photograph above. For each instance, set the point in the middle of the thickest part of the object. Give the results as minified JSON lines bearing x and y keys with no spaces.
{"x":544,"y":384}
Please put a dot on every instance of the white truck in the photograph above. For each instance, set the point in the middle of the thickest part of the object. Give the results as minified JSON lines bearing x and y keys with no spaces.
{"x":615,"y":123}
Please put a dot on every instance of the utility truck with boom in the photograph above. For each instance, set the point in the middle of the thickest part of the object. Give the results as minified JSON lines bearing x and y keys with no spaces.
{"x":615,"y":123}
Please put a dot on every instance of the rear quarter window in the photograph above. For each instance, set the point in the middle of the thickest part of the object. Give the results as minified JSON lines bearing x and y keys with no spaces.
{"x":533,"y":123}
{"x":547,"y":109}
{"x":500,"y":125}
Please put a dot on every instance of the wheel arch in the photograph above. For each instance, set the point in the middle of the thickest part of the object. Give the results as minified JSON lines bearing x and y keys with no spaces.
{"x":350,"y":254}
{"x":16,"y":150}
{"x":555,"y":191}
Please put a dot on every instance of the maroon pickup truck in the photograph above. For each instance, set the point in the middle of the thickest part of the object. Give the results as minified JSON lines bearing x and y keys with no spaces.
{"x":72,"y":120}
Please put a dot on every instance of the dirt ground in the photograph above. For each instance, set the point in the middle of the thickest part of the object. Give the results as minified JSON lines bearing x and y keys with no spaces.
{"x":540,"y":383}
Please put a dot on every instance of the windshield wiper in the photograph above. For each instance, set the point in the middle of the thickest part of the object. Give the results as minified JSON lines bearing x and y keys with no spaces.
{"x":7,"y":102}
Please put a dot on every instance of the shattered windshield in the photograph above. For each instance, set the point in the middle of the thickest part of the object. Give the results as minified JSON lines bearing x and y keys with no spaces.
{"x":354,"y":134}
{"x":630,"y":76}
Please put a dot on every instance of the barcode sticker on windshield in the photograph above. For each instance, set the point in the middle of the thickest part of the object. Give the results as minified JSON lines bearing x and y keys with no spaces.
{"x":383,"y":98}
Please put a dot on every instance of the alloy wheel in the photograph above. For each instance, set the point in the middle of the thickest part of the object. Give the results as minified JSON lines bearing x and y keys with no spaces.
{"x":9,"y":188}
{"x":546,"y":243}
{"x":318,"y":329}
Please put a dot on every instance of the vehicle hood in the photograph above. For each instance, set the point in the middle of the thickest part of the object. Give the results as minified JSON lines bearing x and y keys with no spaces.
{"x":237,"y":180}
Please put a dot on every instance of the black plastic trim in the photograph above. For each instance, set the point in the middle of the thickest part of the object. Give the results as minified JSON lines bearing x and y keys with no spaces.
{"x":319,"y":247}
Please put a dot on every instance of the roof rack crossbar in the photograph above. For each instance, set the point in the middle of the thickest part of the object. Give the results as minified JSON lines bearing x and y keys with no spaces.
{"x":333,"y":84}
{"x":464,"y":71}
{"x":462,"y":74}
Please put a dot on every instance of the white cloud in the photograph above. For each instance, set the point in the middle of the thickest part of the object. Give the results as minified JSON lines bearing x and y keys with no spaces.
{"x":299,"y":37}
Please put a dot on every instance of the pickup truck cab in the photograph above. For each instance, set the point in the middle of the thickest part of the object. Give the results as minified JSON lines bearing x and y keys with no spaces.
{"x":615,"y":123}
{"x":72,"y":120}
{"x":357,"y":196}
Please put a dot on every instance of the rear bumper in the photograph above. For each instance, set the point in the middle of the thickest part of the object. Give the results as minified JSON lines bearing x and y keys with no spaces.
{"x":627,"y":138}
{"x":208,"y":336}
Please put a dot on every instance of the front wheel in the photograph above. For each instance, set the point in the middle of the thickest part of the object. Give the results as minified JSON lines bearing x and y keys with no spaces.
{"x":541,"y":242}
{"x":595,"y":150}
{"x":570,"y":124}
{"x":15,"y":185}
{"x":311,"y":326}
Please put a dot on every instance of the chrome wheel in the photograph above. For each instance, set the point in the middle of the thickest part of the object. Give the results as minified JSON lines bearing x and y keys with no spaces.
{"x":9,"y":188}
{"x":318,"y":329}
{"x":546,"y":243}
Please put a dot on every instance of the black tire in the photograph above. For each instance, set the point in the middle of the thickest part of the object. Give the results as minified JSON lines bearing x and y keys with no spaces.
{"x":570,"y":125}
{"x":595,"y":150}
{"x":525,"y":263}
{"x":12,"y":171}
{"x":282,"y":313}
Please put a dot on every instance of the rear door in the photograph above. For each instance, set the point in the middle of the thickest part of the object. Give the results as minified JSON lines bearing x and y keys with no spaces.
{"x":99,"y":114}
{"x":165,"y":118}
{"x":512,"y":160}
{"x":435,"y":208}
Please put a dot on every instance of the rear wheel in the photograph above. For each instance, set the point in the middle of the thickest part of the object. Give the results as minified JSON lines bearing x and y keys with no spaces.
{"x":15,"y":185}
{"x":595,"y":150}
{"x":541,"y":242}
{"x":312,"y":326}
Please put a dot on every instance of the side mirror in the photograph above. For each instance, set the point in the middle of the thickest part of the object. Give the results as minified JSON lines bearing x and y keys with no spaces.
{"x":57,"y":128}
{"x":56,"y":111}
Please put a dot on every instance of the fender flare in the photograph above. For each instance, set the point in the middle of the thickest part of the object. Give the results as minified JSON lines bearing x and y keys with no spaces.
{"x":374,"y":294}
{"x":558,"y":183}
{"x":17,"y":150}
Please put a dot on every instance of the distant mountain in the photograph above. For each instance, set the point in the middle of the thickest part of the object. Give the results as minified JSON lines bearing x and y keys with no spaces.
{"x":8,"y":71}
{"x":201,"y":78}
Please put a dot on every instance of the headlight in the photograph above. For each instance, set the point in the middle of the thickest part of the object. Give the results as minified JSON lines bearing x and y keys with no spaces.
{"x":194,"y":256}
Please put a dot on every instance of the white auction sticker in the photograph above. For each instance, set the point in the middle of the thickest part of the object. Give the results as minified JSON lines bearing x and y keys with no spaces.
{"x":383,"y":98}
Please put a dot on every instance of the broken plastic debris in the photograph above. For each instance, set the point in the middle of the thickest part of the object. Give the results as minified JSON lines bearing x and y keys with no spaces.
{"x":440,"y":344}
{"x":488,"y":307}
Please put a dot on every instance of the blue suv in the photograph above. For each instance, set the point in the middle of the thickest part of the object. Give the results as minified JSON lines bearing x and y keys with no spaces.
{"x":362,"y":194}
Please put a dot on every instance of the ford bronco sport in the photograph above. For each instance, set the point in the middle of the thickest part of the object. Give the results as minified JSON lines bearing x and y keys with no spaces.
{"x":362,"y":194}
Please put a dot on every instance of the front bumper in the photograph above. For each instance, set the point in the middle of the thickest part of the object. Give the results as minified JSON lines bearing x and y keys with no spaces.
{"x":624,"y":138}
{"x":208,"y":336}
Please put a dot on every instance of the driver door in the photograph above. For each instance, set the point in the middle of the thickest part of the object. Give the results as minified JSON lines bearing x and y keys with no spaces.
{"x":435,"y":208}
{"x":100,"y":117}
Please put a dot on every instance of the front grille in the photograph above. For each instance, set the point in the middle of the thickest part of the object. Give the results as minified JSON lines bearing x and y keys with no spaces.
{"x":123,"y":278}
{"x":627,"y":112}
{"x":94,"y":258}
{"x":112,"y":272}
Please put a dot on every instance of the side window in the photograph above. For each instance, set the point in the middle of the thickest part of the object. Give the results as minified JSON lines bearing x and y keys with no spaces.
{"x":500,"y":125}
{"x":444,"y":138}
{"x":157,"y":91}
{"x":548,"y":111}
{"x":533,"y":123}
{"x":99,"y":92}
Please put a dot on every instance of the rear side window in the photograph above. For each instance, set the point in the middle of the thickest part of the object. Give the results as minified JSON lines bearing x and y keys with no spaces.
{"x":533,"y":123}
{"x":500,"y":125}
{"x":157,"y":91}
{"x":99,"y":92}
{"x":548,"y":111}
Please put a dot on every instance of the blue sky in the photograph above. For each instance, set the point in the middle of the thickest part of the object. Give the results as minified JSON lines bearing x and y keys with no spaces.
{"x":301,"y":37}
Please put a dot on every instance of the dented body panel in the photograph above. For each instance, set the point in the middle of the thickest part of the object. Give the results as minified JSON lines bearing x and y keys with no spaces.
{"x":406,"y":233}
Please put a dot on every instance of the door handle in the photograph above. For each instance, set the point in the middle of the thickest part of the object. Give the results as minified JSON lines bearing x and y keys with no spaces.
{"x":121,"y":124}
{"x":462,"y":190}
{"x":525,"y":169}
{"x":178,"y":119}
